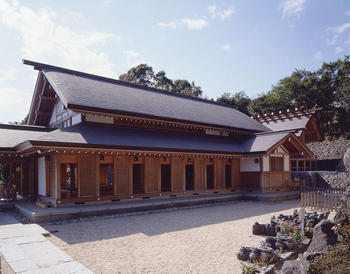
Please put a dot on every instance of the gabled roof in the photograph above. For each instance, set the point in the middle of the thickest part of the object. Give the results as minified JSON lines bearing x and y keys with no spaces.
{"x":86,"y":92}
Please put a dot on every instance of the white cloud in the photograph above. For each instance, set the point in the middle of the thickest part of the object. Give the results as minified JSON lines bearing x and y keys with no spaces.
{"x":133,"y":58}
{"x":340,"y":29}
{"x":45,"y":40}
{"x":226,"y":47}
{"x":332,"y":41}
{"x":7,"y":75}
{"x":292,"y":7}
{"x":338,"y":49}
{"x":195,"y":24}
{"x":191,"y":24}
{"x":216,"y":11}
{"x":318,"y":55}
{"x":171,"y":24}
{"x":12,"y":98}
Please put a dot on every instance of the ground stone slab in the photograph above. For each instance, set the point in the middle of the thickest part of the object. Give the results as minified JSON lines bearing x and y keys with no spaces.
{"x":26,"y":250}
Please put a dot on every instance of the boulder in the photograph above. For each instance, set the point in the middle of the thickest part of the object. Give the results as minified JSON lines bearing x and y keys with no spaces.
{"x":323,"y":236}
{"x":292,"y":267}
{"x":346,"y":160}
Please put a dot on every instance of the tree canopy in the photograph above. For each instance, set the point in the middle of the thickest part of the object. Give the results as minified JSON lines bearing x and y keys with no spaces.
{"x":144,"y":75}
{"x":327,"y":87}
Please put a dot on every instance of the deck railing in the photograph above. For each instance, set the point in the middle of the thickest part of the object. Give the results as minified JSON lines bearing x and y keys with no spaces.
{"x":321,"y":198}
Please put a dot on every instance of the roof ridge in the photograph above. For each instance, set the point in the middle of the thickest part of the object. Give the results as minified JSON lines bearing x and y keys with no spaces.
{"x":39,"y":66}
{"x":25,"y":127}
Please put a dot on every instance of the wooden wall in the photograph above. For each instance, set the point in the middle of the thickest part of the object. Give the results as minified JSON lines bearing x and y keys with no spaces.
{"x":250,"y":180}
{"x":276,"y":181}
{"x":89,"y":167}
{"x":178,"y":174}
{"x":152,"y":174}
{"x":236,"y":174}
{"x":123,"y":175}
{"x":220,"y":173}
{"x":87,"y":175}
{"x":200,"y":174}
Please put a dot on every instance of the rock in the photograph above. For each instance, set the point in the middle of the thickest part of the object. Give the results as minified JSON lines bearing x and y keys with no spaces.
{"x":346,"y":160}
{"x":292,"y":267}
{"x":323,"y":236}
{"x":258,"y":229}
{"x":343,"y":212}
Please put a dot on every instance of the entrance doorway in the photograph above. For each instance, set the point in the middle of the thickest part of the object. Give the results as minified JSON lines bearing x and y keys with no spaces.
{"x":106,"y":179}
{"x":210,"y":176}
{"x":189,"y":177}
{"x":165,"y":178}
{"x":228,"y":176}
{"x":138,"y":178}
{"x":69,"y":186}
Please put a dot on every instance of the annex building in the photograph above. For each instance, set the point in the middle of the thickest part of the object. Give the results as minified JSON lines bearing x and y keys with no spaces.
{"x":91,"y":138}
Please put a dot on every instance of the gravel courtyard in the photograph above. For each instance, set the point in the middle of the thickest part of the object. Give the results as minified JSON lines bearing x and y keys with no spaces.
{"x":188,"y":240}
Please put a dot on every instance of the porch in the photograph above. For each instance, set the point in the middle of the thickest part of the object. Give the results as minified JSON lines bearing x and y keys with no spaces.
{"x":40,"y":214}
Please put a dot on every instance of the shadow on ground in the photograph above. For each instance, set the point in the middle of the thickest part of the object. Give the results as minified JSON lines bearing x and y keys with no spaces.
{"x":154,"y":223}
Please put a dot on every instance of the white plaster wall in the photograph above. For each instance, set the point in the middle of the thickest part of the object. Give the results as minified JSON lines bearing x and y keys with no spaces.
{"x":286,"y":163}
{"x":41,"y":176}
{"x":248,"y":165}
{"x":266,"y":163}
{"x":76,"y":119}
{"x":99,"y":119}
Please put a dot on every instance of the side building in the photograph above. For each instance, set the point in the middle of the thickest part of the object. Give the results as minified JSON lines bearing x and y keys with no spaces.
{"x":91,"y":138}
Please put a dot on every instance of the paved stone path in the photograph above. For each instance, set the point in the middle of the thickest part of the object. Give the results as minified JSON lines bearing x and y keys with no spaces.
{"x":27,"y":250}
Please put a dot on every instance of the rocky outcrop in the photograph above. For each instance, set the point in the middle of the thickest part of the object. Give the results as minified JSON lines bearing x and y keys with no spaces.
{"x":323,"y":237}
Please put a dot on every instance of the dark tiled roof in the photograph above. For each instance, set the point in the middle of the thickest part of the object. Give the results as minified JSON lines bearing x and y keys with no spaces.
{"x":109,"y":136}
{"x":287,"y":123}
{"x":85,"y":91}
{"x":329,"y":149}
{"x":264,"y":141}
{"x":12,"y":135}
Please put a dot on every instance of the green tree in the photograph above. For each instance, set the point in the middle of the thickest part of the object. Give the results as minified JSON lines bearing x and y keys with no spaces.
{"x":23,"y":122}
{"x":142,"y":75}
{"x":327,"y":87}
{"x":238,"y":100}
{"x":163,"y":82}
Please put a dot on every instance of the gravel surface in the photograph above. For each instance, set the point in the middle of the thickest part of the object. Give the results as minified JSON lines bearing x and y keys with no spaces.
{"x":189,"y":240}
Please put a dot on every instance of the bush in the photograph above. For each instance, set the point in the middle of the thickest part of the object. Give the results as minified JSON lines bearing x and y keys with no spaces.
{"x":336,"y":261}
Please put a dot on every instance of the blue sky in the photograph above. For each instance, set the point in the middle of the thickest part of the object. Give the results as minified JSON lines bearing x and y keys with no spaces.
{"x":224,"y":46}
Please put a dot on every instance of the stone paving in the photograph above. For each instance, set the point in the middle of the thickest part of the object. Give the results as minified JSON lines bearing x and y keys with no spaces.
{"x":28,"y":251}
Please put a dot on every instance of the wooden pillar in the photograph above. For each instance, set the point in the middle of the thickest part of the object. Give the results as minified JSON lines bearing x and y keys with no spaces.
{"x":200,"y":175}
{"x":47,"y":177}
{"x":152,"y":174}
{"x":297,"y":167}
{"x":236,"y":174}
{"x":178,"y":176}
{"x":123,"y":176}
{"x":87,"y":175}
{"x":219,"y":178}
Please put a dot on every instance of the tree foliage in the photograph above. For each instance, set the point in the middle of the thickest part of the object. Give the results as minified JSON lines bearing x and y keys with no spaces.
{"x":328,"y":88}
{"x":144,"y":75}
{"x":238,"y":100}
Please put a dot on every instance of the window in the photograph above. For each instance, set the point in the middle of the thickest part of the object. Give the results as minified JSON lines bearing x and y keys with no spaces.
{"x":276,"y":163}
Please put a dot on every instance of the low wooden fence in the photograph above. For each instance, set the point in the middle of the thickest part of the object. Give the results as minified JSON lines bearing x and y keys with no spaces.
{"x":321,"y":198}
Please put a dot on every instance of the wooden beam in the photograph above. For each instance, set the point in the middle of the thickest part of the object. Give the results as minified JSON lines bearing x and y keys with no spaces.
{"x":44,"y":113}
